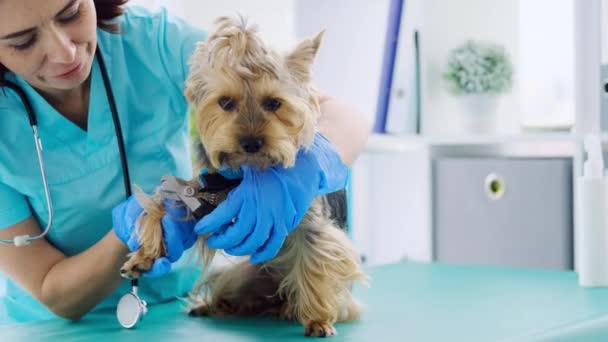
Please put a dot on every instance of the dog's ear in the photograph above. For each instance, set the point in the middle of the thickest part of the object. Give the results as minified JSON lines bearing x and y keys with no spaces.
{"x":300,"y":60}
{"x":195,"y":82}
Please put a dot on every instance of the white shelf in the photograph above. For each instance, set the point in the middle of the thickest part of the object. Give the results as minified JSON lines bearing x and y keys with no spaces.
{"x":396,"y":143}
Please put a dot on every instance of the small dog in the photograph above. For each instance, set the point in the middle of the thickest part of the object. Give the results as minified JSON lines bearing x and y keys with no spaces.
{"x":256,"y":106}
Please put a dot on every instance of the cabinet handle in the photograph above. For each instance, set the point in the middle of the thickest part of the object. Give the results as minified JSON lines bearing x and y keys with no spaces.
{"x":494,"y":186}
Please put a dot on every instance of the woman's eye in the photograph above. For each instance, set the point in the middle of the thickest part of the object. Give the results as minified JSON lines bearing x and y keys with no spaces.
{"x":271,"y":104}
{"x":227,"y":103}
{"x":70,"y":16}
{"x":25,"y":44}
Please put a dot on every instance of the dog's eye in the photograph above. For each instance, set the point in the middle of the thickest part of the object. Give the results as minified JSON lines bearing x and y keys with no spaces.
{"x":271,"y":104}
{"x":227,"y":103}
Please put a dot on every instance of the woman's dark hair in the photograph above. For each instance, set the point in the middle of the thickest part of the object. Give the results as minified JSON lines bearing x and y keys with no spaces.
{"x":107,"y":11}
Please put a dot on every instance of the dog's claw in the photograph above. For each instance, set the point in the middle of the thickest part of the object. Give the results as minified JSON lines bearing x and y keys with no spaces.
{"x":319,"y":329}
{"x":135,"y":267}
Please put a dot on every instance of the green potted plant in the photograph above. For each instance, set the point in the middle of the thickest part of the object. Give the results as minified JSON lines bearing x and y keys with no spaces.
{"x":478,"y":73}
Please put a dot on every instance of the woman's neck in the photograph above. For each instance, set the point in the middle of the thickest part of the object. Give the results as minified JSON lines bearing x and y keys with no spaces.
{"x":73,"y":104}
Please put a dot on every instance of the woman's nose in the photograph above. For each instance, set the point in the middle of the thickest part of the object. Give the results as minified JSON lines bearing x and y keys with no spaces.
{"x":61,"y":49}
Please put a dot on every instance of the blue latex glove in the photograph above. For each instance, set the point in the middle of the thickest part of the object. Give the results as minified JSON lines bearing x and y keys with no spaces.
{"x":178,"y":232}
{"x":269,"y":203}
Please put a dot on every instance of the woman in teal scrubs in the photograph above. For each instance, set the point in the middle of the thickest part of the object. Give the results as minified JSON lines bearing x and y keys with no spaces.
{"x":48,"y":49}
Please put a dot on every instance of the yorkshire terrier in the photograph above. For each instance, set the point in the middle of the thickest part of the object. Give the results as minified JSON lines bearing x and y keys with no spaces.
{"x":256,"y":106}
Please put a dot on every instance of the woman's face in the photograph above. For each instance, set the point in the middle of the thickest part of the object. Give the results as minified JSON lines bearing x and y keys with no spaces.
{"x":49,"y":43}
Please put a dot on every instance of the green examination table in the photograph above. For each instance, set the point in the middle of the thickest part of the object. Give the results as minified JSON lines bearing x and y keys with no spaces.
{"x":405,"y":302}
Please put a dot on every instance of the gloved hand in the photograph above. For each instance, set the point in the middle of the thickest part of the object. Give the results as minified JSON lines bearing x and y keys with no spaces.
{"x":269,"y":203}
{"x":178,"y":233}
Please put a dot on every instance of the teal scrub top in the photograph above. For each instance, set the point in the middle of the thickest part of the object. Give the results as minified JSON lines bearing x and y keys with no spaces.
{"x":147,"y":65}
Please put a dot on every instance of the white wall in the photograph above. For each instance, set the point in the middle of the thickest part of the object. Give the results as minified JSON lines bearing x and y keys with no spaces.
{"x":350,"y":59}
{"x":448,"y":24}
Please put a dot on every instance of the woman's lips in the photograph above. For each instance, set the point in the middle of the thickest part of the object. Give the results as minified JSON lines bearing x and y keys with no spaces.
{"x":72,"y":71}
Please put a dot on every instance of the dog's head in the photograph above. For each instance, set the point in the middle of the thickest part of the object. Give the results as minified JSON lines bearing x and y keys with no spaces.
{"x":253,"y":105}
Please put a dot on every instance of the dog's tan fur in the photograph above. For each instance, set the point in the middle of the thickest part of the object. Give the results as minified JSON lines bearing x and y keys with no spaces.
{"x":309,"y":280}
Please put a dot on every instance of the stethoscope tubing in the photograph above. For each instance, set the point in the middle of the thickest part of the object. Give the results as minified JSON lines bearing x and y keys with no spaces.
{"x":26,"y":239}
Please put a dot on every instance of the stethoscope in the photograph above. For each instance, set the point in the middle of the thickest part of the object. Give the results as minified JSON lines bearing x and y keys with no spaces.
{"x":131,"y":308}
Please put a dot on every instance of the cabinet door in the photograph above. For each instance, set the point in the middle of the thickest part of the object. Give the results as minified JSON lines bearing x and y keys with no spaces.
{"x":503,"y":211}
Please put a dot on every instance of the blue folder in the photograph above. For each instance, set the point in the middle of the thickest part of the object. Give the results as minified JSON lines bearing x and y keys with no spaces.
{"x":388,"y":65}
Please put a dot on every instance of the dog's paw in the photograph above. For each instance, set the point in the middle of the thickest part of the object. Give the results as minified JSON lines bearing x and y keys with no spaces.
{"x":135,"y":266}
{"x":319,"y":329}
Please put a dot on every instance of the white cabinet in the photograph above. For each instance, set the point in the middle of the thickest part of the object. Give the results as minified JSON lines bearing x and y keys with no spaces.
{"x":392,"y":211}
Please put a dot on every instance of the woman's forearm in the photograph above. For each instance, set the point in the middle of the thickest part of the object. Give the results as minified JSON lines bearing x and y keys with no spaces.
{"x":345,"y":126}
{"x":77,"y":284}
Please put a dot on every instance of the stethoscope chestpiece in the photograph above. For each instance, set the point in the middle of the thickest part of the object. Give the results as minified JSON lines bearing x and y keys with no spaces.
{"x":130,"y":310}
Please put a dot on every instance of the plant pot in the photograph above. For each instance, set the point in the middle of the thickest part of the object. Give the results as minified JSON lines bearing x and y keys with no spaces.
{"x":479,"y":115}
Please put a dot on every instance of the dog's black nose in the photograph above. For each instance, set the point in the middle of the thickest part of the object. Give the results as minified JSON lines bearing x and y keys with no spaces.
{"x":251,"y":144}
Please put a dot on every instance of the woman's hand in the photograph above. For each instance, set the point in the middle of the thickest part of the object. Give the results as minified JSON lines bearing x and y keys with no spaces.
{"x":178,"y":231}
{"x":269,"y":204}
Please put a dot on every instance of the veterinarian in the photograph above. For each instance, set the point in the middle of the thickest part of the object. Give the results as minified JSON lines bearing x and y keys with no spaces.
{"x":50,"y":49}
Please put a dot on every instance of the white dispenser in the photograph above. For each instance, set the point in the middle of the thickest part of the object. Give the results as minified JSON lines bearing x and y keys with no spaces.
{"x":592,"y":208}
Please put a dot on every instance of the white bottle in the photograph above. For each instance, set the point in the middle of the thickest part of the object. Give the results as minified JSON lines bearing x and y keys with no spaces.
{"x":592,"y":210}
